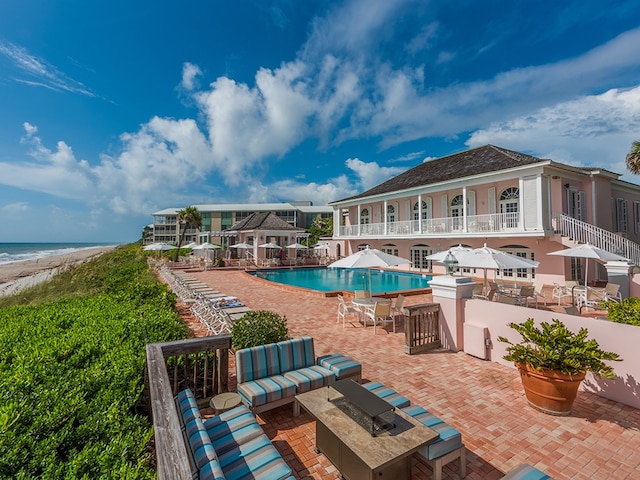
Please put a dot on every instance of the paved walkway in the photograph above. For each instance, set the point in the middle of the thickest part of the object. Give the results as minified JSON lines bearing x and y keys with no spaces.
{"x":484,"y":400}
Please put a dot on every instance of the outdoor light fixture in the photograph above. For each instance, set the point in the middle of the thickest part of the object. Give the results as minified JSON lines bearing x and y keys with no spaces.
{"x":450,"y":263}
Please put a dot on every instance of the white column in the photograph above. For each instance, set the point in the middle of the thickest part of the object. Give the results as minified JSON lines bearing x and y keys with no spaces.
{"x":450,"y":292}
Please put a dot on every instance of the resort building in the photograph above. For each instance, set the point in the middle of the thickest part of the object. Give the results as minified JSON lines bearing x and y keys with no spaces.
{"x":217,"y":219}
{"x":508,"y":200}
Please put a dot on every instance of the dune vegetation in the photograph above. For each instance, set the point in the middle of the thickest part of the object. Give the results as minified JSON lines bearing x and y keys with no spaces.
{"x":72,"y":359}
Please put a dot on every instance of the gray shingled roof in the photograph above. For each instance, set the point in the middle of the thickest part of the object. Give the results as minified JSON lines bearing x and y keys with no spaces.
{"x":263,"y":221}
{"x":459,"y":165}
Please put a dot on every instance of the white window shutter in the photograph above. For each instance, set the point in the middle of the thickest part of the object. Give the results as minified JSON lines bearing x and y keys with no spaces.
{"x":445,"y":206}
{"x":492,"y":199}
{"x":471,"y":197}
{"x":582,"y":211}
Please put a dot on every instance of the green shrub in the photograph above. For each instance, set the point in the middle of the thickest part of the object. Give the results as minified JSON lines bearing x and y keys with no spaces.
{"x":258,"y":328}
{"x":554,"y":347}
{"x":72,"y":396}
{"x":626,"y":312}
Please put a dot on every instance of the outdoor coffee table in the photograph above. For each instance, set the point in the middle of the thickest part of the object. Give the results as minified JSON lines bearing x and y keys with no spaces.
{"x":358,"y":448}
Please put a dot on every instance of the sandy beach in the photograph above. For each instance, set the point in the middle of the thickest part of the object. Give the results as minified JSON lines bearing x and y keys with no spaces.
{"x":17,"y":276}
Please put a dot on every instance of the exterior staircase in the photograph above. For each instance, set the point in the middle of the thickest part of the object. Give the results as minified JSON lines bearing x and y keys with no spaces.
{"x":583,"y":232}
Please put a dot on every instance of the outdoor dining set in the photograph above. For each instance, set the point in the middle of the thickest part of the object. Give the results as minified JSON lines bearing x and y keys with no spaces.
{"x":367,"y":309}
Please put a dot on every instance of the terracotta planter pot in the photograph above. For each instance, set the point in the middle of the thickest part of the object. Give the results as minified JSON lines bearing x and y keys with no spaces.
{"x":549,"y":391}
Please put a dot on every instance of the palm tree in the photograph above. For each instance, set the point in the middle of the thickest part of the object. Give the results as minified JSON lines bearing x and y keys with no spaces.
{"x":633,"y":158}
{"x":189,"y":217}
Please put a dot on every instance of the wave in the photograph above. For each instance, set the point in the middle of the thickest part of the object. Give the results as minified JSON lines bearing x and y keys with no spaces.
{"x":16,"y":252}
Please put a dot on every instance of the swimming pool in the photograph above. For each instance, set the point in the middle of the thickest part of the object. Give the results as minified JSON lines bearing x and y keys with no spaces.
{"x":331,"y":279}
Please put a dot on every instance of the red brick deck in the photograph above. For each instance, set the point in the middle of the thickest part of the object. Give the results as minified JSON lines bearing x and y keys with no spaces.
{"x":484,"y":400}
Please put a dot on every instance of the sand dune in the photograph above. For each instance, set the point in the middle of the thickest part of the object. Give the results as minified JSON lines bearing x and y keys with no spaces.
{"x":17,"y":276}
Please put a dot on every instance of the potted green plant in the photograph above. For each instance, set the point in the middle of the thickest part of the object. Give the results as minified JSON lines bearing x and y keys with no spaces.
{"x":553,"y":361}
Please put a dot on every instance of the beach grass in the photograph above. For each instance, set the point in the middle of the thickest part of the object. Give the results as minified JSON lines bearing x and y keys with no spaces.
{"x":72,"y":359}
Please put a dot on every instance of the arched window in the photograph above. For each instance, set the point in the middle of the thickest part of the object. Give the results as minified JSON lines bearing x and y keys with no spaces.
{"x":365,"y":219}
{"x":416,"y":211}
{"x":391,"y":214}
{"x":509,"y":201}
{"x":457,"y":205}
{"x":390,"y":248}
{"x":457,"y":212}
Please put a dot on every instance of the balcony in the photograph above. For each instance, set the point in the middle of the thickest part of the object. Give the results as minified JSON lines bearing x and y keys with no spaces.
{"x":470,"y":226}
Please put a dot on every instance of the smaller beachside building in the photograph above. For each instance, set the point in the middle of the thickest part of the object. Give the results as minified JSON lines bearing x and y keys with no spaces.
{"x":508,"y":200}
{"x":217,"y":219}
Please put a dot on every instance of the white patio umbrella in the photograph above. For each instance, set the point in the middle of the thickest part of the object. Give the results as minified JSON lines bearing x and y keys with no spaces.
{"x":486,"y":257}
{"x":440,"y":256}
{"x":190,"y":245}
{"x":296,"y":246}
{"x":369,"y":258}
{"x":588,"y":251}
{"x":205,"y":248}
{"x":241,"y":245}
{"x":159,"y":247}
{"x":269,"y":245}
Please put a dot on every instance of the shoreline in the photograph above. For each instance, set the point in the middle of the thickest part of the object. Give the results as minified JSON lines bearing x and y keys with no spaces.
{"x":16,"y":276}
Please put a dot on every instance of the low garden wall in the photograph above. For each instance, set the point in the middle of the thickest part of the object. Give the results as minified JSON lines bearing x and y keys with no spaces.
{"x":615,"y":337}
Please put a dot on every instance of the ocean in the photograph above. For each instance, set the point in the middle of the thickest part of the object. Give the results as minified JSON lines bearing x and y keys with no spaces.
{"x":17,"y":252}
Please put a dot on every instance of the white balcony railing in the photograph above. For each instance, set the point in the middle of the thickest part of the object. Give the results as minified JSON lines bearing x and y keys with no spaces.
{"x":472,"y":224}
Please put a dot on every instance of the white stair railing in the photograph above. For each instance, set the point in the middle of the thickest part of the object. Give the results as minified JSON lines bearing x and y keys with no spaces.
{"x":583,"y":232}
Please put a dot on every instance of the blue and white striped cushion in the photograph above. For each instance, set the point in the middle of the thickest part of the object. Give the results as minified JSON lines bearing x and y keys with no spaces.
{"x":388,"y":394}
{"x":257,"y":362}
{"x":341,"y":366}
{"x":296,"y":353}
{"x":257,"y":458}
{"x":239,"y":426}
{"x":526,"y":472}
{"x":200,"y":443}
{"x":310,"y":378}
{"x":266,"y":390}
{"x":187,"y":406}
{"x":212,"y":471}
{"x":450,"y":438}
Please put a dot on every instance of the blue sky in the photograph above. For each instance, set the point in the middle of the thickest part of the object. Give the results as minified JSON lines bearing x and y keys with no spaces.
{"x":112,"y":110}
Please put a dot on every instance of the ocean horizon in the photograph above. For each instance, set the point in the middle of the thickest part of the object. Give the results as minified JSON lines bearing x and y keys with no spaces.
{"x":20,"y":252}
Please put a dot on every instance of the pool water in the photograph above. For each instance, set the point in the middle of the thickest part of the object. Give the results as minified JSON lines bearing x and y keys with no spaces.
{"x":331,"y":279}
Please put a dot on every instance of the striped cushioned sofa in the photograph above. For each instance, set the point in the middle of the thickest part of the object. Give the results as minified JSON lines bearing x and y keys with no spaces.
{"x":271,"y":375}
{"x":229,"y":446}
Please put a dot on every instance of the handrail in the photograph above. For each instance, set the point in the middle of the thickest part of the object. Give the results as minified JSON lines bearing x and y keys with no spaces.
{"x":172,"y":457}
{"x":422,"y":328}
{"x":583,"y":232}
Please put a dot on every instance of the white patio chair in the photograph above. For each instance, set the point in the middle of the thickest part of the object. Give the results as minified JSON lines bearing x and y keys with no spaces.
{"x":362,"y":294}
{"x":380,"y":313}
{"x":612,"y":292}
{"x":398,"y":307}
{"x":560,"y":292}
{"x":345,"y":309}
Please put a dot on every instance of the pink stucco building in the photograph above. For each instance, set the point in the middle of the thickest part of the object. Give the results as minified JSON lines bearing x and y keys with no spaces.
{"x":515,"y":202}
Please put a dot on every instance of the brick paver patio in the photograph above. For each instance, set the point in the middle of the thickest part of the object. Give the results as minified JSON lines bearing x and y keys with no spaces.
{"x":484,"y":400}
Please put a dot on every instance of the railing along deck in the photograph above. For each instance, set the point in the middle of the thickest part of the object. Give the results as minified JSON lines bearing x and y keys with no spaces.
{"x":583,"y":232}
{"x":201,"y":364}
{"x":422,"y":328}
{"x":436,"y":227}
